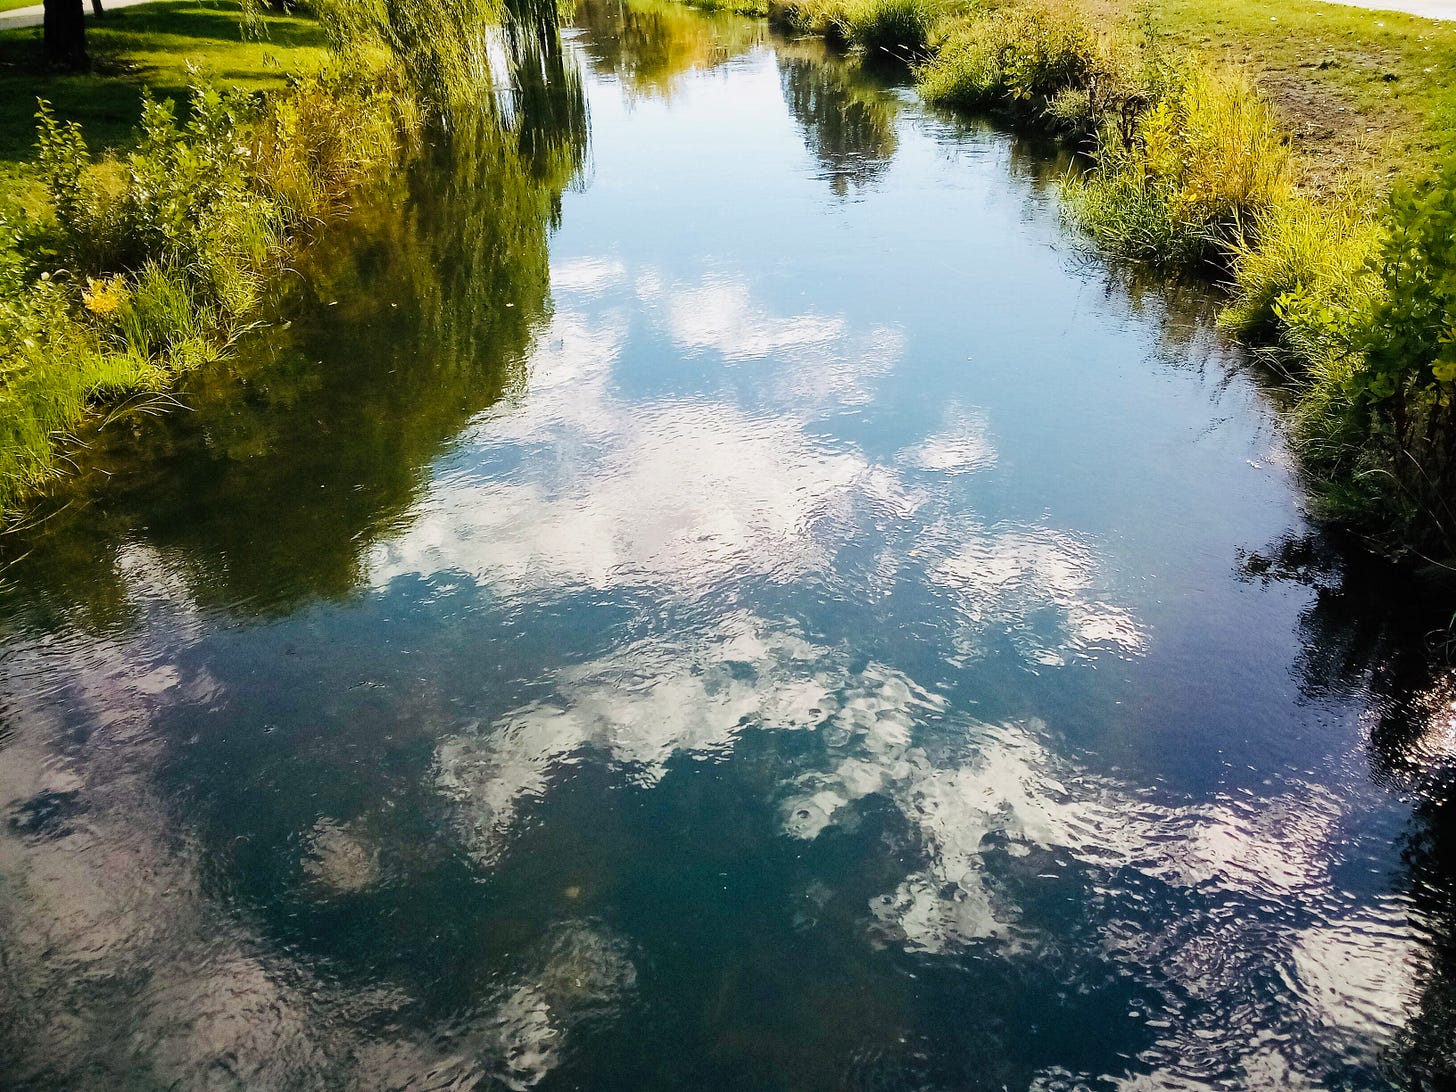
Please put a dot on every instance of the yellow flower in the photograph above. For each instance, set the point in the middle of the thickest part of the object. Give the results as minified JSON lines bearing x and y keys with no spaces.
{"x":104,"y":298}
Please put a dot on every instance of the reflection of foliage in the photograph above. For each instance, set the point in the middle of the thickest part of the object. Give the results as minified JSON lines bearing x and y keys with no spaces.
{"x":1367,"y":626}
{"x":651,"y":44}
{"x":414,"y":316}
{"x":847,"y":124}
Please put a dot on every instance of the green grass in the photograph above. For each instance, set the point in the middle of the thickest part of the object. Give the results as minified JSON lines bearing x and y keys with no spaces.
{"x":1360,"y":92}
{"x":152,"y":45}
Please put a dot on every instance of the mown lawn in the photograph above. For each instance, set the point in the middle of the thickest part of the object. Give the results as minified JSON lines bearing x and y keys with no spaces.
{"x":158,"y":45}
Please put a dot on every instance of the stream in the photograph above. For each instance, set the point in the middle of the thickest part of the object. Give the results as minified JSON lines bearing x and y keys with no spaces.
{"x":713,"y":585}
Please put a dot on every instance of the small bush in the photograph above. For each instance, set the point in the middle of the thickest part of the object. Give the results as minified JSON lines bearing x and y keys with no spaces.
{"x":1404,"y":384}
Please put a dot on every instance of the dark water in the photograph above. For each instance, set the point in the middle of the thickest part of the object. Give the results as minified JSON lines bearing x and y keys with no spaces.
{"x":716,"y":589}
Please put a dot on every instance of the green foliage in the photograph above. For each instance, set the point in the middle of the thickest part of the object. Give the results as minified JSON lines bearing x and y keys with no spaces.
{"x":1365,"y":311}
{"x":1412,"y":338}
{"x":1402,"y":386}
{"x":1021,"y":58}
{"x":1190,"y":168}
{"x":138,"y":268}
{"x":164,"y":45}
{"x":62,"y":158}
{"x":900,"y":27}
{"x":440,"y":50}
{"x":145,"y":267}
{"x":159,"y":315}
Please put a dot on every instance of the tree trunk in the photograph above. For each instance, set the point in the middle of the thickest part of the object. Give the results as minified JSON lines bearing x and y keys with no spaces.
{"x":65,"y":35}
{"x":96,"y":9}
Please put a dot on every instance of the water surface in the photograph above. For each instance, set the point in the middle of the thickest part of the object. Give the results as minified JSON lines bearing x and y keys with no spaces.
{"x":715,"y":587}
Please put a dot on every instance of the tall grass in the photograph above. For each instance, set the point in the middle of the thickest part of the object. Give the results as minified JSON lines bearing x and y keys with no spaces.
{"x":900,"y":28}
{"x":1015,"y":58}
{"x":1189,"y":180}
{"x":142,"y":267}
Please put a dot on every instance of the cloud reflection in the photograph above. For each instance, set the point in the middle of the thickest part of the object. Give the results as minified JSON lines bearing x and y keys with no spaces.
{"x":824,"y":361}
{"x":676,"y":493}
{"x":963,"y":446}
{"x":1039,"y":587}
{"x":1227,"y":909}
{"x":636,"y":708}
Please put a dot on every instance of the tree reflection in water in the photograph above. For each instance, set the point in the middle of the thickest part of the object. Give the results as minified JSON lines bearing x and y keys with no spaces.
{"x":651,"y":46}
{"x":410,"y":319}
{"x":848,"y":123}
{"x":1368,"y":627}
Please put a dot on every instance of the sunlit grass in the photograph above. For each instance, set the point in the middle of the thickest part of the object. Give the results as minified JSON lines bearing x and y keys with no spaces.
{"x":1358,"y":91}
{"x":166,"y":46}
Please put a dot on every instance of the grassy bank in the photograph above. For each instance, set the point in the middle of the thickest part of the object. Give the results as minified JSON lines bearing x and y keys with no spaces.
{"x":166,"y":46}
{"x":1302,"y":154}
{"x":143,"y":229}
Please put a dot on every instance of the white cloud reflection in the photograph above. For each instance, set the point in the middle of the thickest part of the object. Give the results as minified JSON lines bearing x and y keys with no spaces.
{"x":678,"y":493}
{"x":637,"y":708}
{"x":1249,"y":896}
{"x":687,"y":494}
{"x":963,"y":446}
{"x":822,"y":362}
{"x":1043,"y":589}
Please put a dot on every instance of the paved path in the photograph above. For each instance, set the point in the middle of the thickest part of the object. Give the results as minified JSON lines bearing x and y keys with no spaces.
{"x":1430,"y":9}
{"x":33,"y":16}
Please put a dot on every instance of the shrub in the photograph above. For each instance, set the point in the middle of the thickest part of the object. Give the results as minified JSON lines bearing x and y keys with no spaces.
{"x":1404,"y":384}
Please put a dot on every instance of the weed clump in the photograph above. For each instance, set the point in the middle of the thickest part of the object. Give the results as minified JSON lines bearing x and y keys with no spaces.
{"x":902,"y":29}
{"x":898,"y":27}
{"x":1023,"y":59}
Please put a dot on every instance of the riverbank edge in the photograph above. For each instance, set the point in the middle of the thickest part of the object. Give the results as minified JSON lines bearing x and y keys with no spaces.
{"x":120,"y":274}
{"x":1344,"y":292}
{"x":124,"y":272}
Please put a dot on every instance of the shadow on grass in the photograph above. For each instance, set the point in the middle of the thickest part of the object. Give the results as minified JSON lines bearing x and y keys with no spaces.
{"x":148,"y":46}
